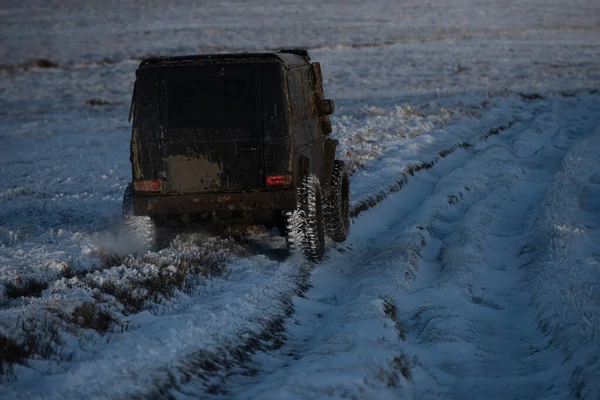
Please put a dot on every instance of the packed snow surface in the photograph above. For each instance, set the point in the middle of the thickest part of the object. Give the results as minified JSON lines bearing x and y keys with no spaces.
{"x":472,"y":270}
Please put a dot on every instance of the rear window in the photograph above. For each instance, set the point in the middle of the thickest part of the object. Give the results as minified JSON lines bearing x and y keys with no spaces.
{"x":215,"y":102}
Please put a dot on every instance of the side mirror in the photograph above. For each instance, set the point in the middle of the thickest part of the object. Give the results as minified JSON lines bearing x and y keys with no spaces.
{"x":325,"y":107}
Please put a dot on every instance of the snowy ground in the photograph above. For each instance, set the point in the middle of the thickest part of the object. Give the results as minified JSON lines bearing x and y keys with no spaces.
{"x":472,"y":268}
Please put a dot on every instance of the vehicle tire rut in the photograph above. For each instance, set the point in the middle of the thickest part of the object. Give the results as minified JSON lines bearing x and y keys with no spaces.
{"x":475,"y":264}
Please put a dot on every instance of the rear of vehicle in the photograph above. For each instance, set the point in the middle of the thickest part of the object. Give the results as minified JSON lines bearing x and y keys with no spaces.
{"x":210,"y":139}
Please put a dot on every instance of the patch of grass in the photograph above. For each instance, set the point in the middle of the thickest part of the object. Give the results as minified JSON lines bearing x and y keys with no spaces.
{"x":400,"y":363}
{"x":441,"y":256}
{"x":28,"y":288}
{"x":397,"y":368}
{"x":453,"y":198}
{"x":210,"y":367}
{"x":497,"y":130}
{"x":391,"y":310}
{"x":413,"y":252}
{"x":107,"y":260}
{"x":566,"y":94}
{"x":531,"y":96}
{"x":88,"y":315}
{"x":411,"y":112}
{"x":29,"y":64}
{"x":36,"y":337}
{"x":137,"y":283}
{"x":156,"y":278}
{"x":11,"y":352}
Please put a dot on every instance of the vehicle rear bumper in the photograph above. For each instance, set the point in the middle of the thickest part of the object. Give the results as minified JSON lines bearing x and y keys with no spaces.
{"x":200,"y":203}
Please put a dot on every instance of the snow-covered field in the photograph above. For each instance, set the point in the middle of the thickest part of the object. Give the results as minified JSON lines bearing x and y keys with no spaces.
{"x":473,"y":265}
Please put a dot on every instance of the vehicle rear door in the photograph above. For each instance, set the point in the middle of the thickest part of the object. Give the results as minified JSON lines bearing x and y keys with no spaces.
{"x":211,"y":117}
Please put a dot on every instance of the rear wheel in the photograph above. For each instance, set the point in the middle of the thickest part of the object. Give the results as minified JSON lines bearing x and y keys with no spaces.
{"x":305,"y":230}
{"x":337,"y":205}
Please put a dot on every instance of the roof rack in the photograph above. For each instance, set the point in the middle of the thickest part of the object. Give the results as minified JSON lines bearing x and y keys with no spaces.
{"x":302,"y":55}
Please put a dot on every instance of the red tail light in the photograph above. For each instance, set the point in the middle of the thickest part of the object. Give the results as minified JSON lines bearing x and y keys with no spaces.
{"x":279,"y":179}
{"x":148,"y":186}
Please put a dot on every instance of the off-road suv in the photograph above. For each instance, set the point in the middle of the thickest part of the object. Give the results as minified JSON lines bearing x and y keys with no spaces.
{"x":236,"y":140}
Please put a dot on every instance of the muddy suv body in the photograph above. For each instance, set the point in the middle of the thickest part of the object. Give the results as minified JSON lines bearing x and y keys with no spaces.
{"x":233,"y":139}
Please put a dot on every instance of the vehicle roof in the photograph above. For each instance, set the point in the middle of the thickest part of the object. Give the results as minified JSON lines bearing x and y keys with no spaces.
{"x":289,"y":58}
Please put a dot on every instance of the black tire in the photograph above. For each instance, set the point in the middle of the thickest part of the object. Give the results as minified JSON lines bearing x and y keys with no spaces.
{"x":337,"y":205}
{"x":140,"y":230}
{"x":306,"y":231}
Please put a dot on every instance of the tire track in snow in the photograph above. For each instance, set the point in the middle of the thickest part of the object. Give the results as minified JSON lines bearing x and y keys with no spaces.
{"x":315,"y":341}
{"x":564,"y":280}
{"x":470,"y":326}
{"x":371,"y":201}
